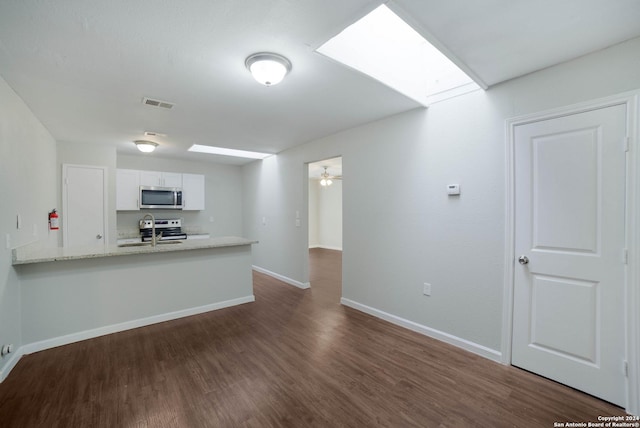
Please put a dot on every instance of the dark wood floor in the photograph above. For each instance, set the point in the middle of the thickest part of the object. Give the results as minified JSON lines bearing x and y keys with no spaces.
{"x":293,"y":358}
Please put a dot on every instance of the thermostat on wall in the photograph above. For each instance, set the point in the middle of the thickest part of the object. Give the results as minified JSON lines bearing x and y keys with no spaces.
{"x":453,"y":189}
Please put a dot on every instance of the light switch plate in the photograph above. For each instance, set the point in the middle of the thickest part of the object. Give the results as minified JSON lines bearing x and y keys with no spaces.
{"x":426,"y":290}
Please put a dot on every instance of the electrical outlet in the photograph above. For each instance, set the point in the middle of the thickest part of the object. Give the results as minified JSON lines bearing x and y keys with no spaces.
{"x":6,"y":349}
{"x":426,"y":290}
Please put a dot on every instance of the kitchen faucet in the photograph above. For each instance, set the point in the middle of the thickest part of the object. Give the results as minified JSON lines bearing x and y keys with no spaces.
{"x":153,"y":228}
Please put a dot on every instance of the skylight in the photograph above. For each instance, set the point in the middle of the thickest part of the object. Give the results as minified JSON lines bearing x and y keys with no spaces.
{"x":386,"y":48}
{"x":228,"y":152}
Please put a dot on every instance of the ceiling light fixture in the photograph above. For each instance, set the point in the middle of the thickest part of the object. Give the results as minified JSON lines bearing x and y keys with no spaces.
{"x":325,"y":178}
{"x":145,"y":146}
{"x":268,"y":68}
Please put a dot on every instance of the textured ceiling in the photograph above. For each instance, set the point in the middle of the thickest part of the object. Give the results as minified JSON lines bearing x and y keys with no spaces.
{"x":498,"y":40}
{"x":83,"y":66}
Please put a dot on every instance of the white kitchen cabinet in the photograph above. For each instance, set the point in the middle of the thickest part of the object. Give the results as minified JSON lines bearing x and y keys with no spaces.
{"x":128,"y":182}
{"x":127,"y":189}
{"x":171,"y":179}
{"x":193,"y":192}
{"x":160,"y":179}
{"x":150,"y":178}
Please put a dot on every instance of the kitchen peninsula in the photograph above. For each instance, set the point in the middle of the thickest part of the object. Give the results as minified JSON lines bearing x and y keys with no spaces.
{"x":31,"y":254}
{"x":71,"y":294}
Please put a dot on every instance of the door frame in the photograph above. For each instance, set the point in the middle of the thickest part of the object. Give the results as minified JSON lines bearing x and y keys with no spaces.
{"x":632,"y":231}
{"x":105,"y":200}
{"x":305,"y":211}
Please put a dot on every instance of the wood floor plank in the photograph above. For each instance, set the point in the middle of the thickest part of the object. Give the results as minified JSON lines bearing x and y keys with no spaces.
{"x":293,"y":358}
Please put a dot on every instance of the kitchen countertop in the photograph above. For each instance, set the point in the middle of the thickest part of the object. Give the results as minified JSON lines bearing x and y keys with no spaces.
{"x":34,"y":253}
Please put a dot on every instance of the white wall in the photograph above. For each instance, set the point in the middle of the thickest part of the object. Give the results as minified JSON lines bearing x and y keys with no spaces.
{"x":400,"y":228}
{"x":325,"y":215}
{"x":223,"y":193}
{"x":314,"y":239}
{"x":273,"y":190}
{"x":28,"y":188}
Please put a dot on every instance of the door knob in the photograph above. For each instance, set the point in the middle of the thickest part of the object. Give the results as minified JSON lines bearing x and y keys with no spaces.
{"x":98,"y":236}
{"x":523,"y":260}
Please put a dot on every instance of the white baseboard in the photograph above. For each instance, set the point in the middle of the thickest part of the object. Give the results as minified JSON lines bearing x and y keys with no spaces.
{"x":11,"y":363}
{"x":467,"y":345}
{"x":326,"y":247}
{"x":114,"y":328}
{"x":303,"y":285}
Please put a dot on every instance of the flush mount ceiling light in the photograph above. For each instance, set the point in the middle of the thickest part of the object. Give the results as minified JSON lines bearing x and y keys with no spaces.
{"x":268,"y":68}
{"x":145,"y":146}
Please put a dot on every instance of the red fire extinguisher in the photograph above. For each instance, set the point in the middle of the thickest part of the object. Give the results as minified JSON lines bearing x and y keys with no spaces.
{"x":54,"y":220}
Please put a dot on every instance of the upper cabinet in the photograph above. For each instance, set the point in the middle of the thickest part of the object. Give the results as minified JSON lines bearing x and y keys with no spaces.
{"x":193,"y":192}
{"x":160,"y":179}
{"x":128,"y":182}
{"x":127,"y":189}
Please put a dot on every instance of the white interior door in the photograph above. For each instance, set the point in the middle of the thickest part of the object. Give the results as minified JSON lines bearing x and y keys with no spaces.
{"x":83,"y":205}
{"x":569,"y":313}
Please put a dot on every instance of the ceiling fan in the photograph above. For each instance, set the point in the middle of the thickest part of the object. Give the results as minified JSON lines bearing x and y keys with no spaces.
{"x":326,"y":179}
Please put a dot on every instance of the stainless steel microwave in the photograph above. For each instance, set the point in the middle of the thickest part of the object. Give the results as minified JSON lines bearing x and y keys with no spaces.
{"x":169,"y":198}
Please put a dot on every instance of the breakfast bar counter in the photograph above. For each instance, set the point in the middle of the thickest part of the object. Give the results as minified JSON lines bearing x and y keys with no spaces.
{"x":71,"y":294}
{"x":35,"y":254}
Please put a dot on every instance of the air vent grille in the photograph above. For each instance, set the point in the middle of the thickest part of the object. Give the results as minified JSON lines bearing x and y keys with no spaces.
{"x":157,"y":103}
{"x":154,"y":134}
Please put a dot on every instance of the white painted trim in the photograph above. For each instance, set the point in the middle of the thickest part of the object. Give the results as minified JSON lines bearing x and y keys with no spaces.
{"x":128,"y":325}
{"x":454,"y":92}
{"x":105,"y":201}
{"x":303,"y":285}
{"x":632,"y":287}
{"x":633,"y":247}
{"x":327,"y":247}
{"x":509,"y":240}
{"x":418,"y":26}
{"x":13,"y":360}
{"x":467,"y":345}
{"x":624,"y":98}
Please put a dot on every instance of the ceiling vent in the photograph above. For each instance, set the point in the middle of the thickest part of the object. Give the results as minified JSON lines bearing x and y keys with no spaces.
{"x":157,"y":103}
{"x":154,"y":134}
